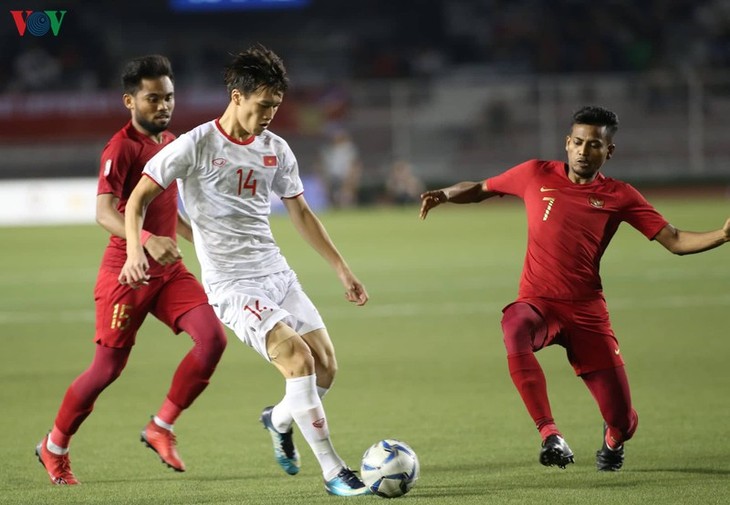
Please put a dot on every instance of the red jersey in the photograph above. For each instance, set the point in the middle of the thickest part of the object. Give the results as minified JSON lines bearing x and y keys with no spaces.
{"x":570,"y":225}
{"x":122,"y":161}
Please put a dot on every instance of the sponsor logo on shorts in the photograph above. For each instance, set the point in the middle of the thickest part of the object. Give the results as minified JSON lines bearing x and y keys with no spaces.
{"x":319,"y":423}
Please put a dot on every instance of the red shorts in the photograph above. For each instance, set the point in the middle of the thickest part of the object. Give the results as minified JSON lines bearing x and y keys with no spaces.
{"x":121,"y":310}
{"x":583,"y":328}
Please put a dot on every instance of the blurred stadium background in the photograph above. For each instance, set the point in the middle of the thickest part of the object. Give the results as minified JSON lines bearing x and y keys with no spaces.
{"x":460,"y":89}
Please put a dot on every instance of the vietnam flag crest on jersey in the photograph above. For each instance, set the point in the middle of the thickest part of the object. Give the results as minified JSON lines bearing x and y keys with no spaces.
{"x":270,"y":161}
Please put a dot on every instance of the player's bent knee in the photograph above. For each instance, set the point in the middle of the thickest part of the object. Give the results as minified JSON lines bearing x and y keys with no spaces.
{"x":298,"y":363}
{"x":289,"y":352}
{"x":218,"y":341}
{"x":520,"y":322}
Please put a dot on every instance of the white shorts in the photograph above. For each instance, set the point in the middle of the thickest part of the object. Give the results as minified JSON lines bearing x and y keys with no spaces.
{"x":251,"y":307}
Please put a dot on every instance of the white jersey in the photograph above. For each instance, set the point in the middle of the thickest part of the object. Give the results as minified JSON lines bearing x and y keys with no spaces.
{"x":225,"y":186}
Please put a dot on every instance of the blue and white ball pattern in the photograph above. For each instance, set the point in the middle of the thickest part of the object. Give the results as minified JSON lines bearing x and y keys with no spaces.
{"x":390,"y":468}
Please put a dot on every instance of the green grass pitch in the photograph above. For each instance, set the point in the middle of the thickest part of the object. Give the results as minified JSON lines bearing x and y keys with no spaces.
{"x":422,"y":362}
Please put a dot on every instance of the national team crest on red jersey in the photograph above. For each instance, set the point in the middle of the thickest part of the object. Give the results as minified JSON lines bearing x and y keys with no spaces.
{"x":270,"y":161}
{"x":596,"y":202}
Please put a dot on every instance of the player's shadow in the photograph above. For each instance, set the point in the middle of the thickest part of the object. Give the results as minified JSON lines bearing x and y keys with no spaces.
{"x":699,"y":471}
{"x":167,"y":479}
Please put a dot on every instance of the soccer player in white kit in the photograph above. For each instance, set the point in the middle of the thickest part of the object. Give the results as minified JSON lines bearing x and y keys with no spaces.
{"x":227,"y":169}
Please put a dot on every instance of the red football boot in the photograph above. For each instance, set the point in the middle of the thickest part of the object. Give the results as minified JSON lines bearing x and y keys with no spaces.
{"x":57,"y":466}
{"x":163,"y":442}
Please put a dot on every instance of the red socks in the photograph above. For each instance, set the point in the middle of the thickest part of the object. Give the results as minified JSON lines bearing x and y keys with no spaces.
{"x":610,"y":389}
{"x":79,"y":400}
{"x":529,"y":380}
{"x":196,"y":368}
{"x":190,"y":379}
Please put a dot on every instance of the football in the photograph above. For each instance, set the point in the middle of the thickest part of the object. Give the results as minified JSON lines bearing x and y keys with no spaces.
{"x":390,"y":468}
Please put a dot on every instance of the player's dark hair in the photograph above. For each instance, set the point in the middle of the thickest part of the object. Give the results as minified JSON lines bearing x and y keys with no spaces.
{"x":256,"y":68}
{"x":597,"y":116}
{"x":152,"y":66}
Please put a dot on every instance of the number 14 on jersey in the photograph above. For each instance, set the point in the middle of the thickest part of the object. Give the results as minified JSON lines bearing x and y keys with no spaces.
{"x":247,"y":182}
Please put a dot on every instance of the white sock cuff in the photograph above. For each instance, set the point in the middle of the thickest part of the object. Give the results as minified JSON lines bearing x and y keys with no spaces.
{"x":301,"y":393}
{"x":55,"y":449}
{"x":162,"y":424}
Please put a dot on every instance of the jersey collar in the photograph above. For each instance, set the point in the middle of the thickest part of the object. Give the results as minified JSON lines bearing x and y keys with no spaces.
{"x":235,"y":141}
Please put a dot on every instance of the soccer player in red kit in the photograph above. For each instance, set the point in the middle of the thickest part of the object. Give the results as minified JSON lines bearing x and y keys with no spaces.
{"x":172,"y":294}
{"x":573,"y":212}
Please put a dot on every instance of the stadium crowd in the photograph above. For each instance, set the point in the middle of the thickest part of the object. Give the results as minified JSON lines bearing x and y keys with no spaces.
{"x":376,"y":39}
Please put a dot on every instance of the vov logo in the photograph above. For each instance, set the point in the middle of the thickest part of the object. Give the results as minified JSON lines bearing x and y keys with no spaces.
{"x":38,"y":23}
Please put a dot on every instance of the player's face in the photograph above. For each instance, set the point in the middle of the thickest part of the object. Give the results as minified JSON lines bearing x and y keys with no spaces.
{"x":151,"y":106}
{"x":255,"y":112}
{"x":588,"y":148}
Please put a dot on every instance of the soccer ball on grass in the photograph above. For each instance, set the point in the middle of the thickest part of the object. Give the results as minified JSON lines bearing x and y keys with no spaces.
{"x":389,"y":468}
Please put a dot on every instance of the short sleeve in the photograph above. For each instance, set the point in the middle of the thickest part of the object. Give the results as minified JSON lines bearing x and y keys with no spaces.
{"x":513,"y":180}
{"x":287,"y":183}
{"x":115,"y":163}
{"x":640,"y":214}
{"x":174,"y":161}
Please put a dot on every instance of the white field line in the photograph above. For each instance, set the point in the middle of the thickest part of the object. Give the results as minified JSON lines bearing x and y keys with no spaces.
{"x":401,"y":310}
{"x":491,"y":308}
{"x":665,"y":272}
{"x":83,"y":276}
{"x":47,"y":316}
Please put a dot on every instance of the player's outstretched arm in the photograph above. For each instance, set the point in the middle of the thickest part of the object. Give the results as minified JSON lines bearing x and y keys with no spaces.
{"x":134,"y":271}
{"x":462,"y":192}
{"x":312,"y":230}
{"x":690,"y":242}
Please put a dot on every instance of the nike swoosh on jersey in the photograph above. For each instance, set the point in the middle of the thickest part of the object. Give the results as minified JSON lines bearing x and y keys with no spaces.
{"x":543,"y":189}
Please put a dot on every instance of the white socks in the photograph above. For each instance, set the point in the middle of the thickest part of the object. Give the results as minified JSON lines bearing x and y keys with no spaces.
{"x":281,"y":416}
{"x":302,"y":401}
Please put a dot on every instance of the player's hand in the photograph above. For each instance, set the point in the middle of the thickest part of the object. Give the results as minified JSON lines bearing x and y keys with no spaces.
{"x":134,"y":271}
{"x":354,"y":290}
{"x":163,"y":249}
{"x":431,"y":199}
